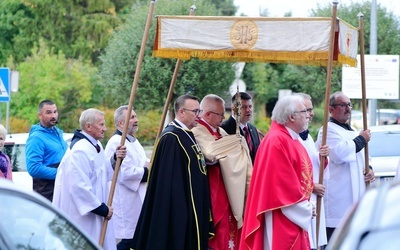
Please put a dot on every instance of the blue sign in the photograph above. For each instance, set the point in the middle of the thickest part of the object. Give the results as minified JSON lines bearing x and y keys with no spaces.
{"x":5,"y":84}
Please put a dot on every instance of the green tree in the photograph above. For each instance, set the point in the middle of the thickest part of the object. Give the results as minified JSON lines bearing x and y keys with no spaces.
{"x":119,"y":62}
{"x":227,"y":7}
{"x":15,"y":41}
{"x":44,"y":75}
{"x":388,"y":24}
{"x":77,"y":28}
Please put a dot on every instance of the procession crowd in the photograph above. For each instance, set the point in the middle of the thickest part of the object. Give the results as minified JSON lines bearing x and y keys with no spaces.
{"x":211,"y":184}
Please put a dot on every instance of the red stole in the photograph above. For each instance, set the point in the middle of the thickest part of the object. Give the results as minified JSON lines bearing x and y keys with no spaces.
{"x":227,"y":235}
{"x":282,"y":176}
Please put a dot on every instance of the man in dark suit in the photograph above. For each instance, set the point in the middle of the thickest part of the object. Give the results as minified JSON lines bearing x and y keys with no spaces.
{"x":246,"y":112}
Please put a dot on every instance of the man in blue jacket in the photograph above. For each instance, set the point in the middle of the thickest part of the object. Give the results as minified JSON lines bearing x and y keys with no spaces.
{"x":45,"y":148}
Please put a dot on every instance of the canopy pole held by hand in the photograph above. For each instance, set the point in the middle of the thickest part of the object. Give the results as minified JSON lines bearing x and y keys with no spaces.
{"x":128,"y":114}
{"x":325,"y":123}
{"x":363,"y":90}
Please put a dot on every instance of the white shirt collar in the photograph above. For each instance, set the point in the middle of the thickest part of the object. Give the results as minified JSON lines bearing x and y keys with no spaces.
{"x":213,"y":129}
{"x":182,"y":125}
{"x":294,"y":135}
{"x":91,"y":139}
{"x":241,"y":125}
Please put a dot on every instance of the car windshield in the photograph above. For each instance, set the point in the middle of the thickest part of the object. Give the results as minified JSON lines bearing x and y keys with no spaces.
{"x":16,"y":152}
{"x":384,"y":143}
{"x":27,"y":224}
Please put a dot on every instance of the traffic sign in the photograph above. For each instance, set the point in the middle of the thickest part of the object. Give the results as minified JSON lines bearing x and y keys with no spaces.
{"x":4,"y":84}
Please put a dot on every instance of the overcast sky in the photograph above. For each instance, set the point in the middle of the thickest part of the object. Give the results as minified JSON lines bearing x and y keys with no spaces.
{"x":277,"y":8}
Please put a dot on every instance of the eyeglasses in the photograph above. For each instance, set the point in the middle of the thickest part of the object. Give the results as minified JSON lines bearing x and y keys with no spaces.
{"x":343,"y":105}
{"x":195,"y":111}
{"x":301,"y":111}
{"x":309,"y":110}
{"x":215,"y":113}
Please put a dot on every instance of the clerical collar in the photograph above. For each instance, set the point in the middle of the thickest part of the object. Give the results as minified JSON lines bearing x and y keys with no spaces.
{"x":181,"y":124}
{"x":91,"y":139}
{"x":343,"y":125}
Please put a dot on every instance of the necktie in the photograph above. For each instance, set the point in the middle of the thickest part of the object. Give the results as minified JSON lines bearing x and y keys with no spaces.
{"x":98,"y":148}
{"x":248,"y":138}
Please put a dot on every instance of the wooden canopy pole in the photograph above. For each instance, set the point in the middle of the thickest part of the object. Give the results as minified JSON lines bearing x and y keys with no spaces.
{"x":325,"y":123}
{"x":363,"y":89}
{"x":128,"y":114}
{"x":171,"y":87}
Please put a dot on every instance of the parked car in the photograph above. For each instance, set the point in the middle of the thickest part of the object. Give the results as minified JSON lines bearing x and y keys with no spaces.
{"x":384,"y":151}
{"x":14,"y":147}
{"x":388,"y":116}
{"x":373,"y":223}
{"x":29,"y":221}
{"x":383,"y":117}
{"x":356,"y":119}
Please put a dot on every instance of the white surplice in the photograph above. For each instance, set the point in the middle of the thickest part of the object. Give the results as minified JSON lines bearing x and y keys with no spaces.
{"x":81,"y":185}
{"x":129,"y":191}
{"x":312,"y":231}
{"x":346,"y":183}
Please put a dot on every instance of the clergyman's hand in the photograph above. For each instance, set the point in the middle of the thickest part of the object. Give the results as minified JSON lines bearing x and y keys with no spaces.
{"x":110,"y":213}
{"x":121,"y":152}
{"x":319,"y":189}
{"x":370,"y":176}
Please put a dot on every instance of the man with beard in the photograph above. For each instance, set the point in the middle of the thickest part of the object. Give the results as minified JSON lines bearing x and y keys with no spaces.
{"x":346,"y":183}
{"x":130,"y":188}
{"x":248,"y":130}
{"x":45,"y":148}
{"x":278,"y":208}
{"x":319,"y":189}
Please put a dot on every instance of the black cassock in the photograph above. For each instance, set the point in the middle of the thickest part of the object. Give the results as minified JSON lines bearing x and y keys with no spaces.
{"x":176,"y":212}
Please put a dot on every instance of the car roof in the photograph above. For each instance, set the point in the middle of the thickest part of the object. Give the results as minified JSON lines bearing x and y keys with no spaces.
{"x":395,"y":128}
{"x":392,"y":111}
{"x":21,"y":138}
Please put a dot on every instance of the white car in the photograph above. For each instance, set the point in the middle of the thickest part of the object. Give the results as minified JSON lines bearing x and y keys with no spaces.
{"x":384,"y":151}
{"x":373,"y":222}
{"x":14,"y":147}
{"x":29,"y":221}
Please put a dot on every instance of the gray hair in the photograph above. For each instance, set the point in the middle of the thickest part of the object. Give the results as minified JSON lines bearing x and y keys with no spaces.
{"x":334,"y":96}
{"x":303,"y":95}
{"x":118,"y":114}
{"x":3,"y":131}
{"x":210,"y":101}
{"x":89,"y":116}
{"x":285,"y":107}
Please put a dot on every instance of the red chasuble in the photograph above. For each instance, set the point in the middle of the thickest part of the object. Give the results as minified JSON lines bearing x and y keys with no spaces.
{"x":282,"y":176}
{"x":227,"y":235}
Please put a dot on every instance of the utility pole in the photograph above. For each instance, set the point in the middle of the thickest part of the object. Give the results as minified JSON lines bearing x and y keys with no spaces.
{"x":373,"y":50}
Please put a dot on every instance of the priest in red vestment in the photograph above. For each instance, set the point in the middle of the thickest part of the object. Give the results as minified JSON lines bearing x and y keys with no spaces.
{"x":278,"y":211}
{"x":228,"y":168}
